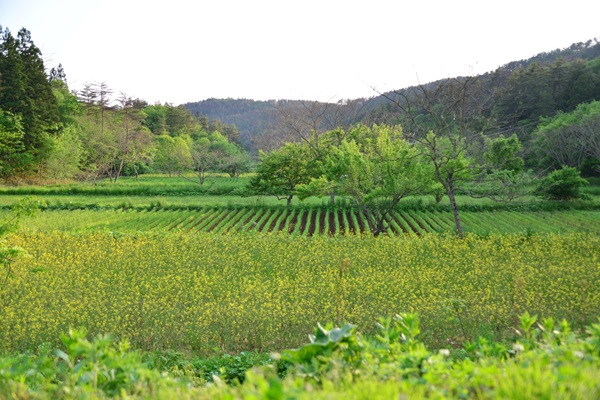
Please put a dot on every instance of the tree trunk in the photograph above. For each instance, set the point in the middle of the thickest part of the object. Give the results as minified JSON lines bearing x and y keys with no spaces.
{"x":120,"y":169}
{"x":380,"y":227}
{"x":449,"y":187}
{"x":110,"y":171}
{"x":289,"y":200}
{"x":373,"y":225}
{"x":332,"y":197}
{"x":459,"y":230}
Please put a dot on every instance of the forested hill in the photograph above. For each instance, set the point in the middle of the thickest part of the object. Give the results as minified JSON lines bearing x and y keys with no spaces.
{"x":518,"y":95}
{"x":521,"y":92}
{"x":582,"y":50}
{"x":250,"y":116}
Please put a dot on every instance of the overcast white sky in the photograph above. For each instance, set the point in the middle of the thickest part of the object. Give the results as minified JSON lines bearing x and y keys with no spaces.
{"x":181,"y":51}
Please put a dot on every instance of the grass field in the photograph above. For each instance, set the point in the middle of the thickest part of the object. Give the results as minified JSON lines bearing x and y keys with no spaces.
{"x":145,"y":185}
{"x":219,"y":189}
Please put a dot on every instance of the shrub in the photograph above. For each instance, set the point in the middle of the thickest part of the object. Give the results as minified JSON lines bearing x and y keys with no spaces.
{"x":562,"y":184}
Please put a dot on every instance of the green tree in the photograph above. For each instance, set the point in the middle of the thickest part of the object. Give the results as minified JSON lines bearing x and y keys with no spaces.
{"x":504,"y":154}
{"x":133,"y":140}
{"x":233,"y":160}
{"x":64,"y":160}
{"x":180,"y":121}
{"x":568,"y":139}
{"x":156,"y":119}
{"x":12,"y":149}
{"x":26,"y":92}
{"x":376,"y":174}
{"x":445,"y":119}
{"x":280,"y":172}
{"x":203,"y":159}
{"x":68,"y":105}
{"x":328,"y":182}
{"x":98,"y":138}
{"x":172,"y":155}
{"x":501,"y":175}
{"x":229,"y":131}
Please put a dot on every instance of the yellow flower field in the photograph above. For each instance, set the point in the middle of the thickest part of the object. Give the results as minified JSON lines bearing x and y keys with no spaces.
{"x":238,"y":292}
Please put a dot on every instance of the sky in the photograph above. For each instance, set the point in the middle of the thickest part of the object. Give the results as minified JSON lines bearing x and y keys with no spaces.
{"x":180,"y":51}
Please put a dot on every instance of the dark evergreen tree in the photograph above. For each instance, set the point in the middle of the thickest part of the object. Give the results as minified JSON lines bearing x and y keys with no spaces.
{"x":25,"y":91}
{"x":180,"y":121}
{"x":12,"y":75}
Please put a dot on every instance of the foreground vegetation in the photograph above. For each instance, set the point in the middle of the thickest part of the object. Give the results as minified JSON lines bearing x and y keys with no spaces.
{"x":191,"y":313}
{"x":548,"y":360}
{"x":185,"y":303}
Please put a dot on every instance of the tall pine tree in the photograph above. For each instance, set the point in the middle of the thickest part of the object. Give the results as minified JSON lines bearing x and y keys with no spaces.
{"x":25,"y":91}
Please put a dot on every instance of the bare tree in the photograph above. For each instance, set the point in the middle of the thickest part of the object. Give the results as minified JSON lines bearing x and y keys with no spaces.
{"x":307,"y":121}
{"x":589,"y":134}
{"x":88,"y":96}
{"x":103,"y":93}
{"x":444,"y":118}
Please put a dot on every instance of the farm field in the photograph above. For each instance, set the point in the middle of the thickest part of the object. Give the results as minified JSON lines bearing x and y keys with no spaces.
{"x":240,"y":292}
{"x":215,"y":275}
{"x":145,"y":185}
{"x":308,"y":221}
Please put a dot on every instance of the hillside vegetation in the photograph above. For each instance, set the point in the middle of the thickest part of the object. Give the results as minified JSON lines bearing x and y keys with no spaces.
{"x":518,"y":95}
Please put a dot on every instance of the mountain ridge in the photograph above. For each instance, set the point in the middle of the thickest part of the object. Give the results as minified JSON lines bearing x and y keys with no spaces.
{"x":255,"y":117}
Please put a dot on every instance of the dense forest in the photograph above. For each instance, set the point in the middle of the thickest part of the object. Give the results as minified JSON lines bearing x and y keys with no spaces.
{"x":48,"y":132}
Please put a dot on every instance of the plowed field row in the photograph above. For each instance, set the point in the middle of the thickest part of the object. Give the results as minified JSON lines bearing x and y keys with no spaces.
{"x":313,"y":222}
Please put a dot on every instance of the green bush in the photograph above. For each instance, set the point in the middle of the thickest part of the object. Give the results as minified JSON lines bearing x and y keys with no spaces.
{"x":83,"y":368}
{"x":562,"y":184}
{"x":548,"y":360}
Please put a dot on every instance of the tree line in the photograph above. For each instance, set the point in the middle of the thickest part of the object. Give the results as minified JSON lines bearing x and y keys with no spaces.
{"x":439,"y":148}
{"x":454,"y":127}
{"x":49,"y":132}
{"x":520,"y":98}
{"x":516,"y":98}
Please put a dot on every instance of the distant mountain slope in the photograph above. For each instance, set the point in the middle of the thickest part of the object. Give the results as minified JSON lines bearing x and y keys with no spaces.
{"x":254,"y":118}
{"x":250,"y":116}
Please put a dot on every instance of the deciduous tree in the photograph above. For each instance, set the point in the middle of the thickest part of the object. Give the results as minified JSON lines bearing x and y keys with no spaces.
{"x":377,"y":173}
{"x":444,"y":118}
{"x":281,"y":171}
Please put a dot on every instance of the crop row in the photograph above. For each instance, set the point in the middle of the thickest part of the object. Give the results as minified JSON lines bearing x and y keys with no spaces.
{"x":312,"y":222}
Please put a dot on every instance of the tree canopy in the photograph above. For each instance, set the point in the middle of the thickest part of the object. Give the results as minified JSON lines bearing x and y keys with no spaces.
{"x":26,"y":93}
